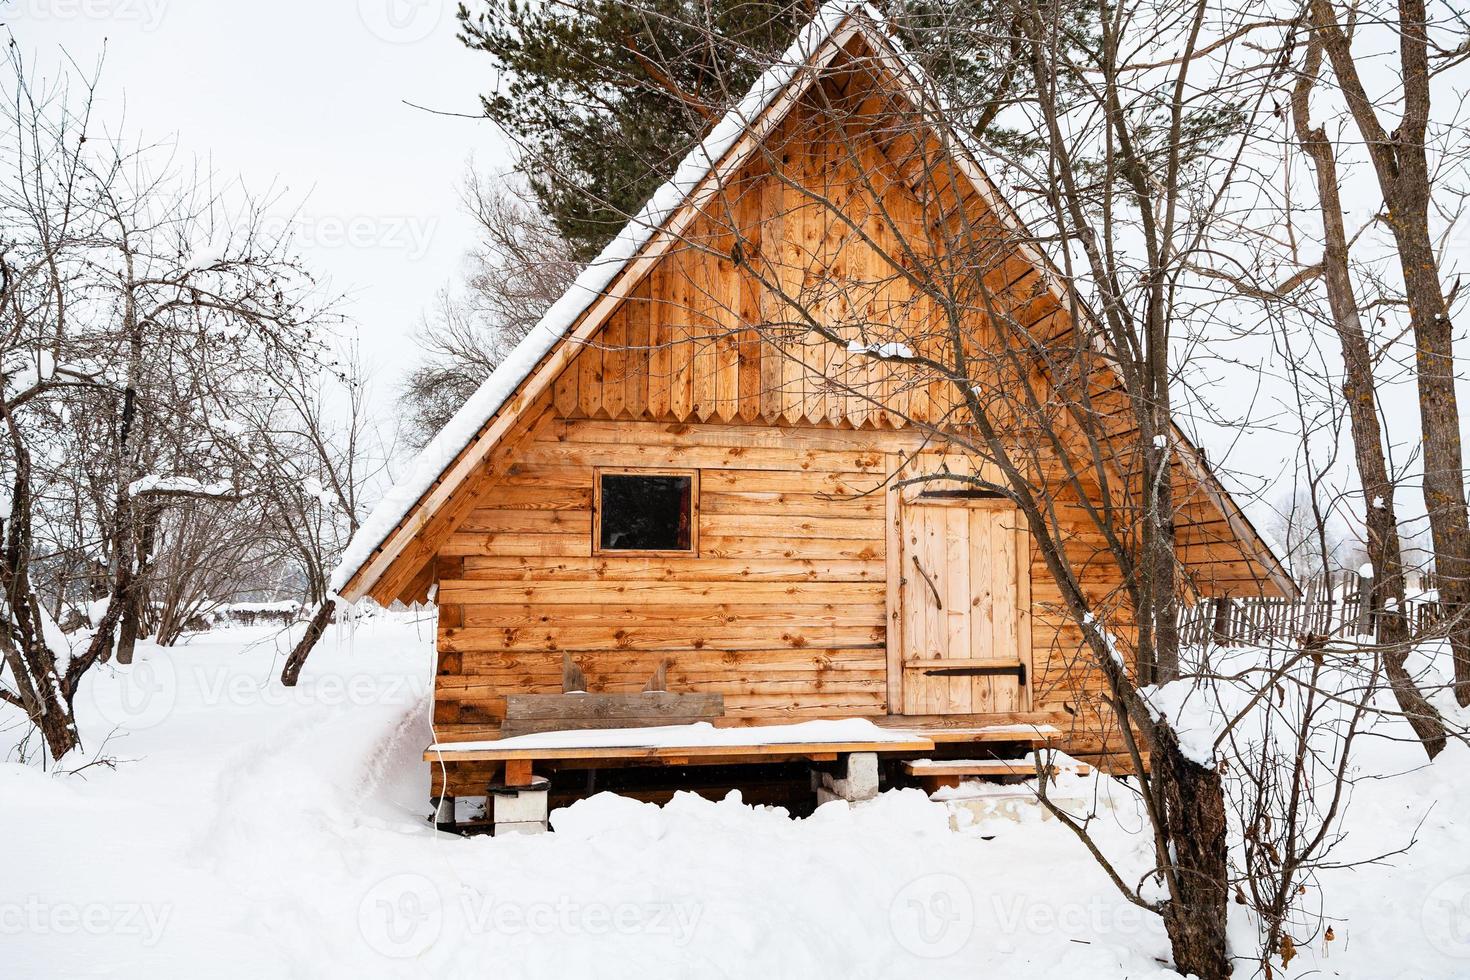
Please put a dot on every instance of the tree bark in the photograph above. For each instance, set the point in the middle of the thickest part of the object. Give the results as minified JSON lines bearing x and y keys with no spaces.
{"x":1422,"y":716}
{"x":140,"y":536}
{"x":1444,"y":474}
{"x":127,"y":627}
{"x":41,"y":692}
{"x":1193,"y":799}
{"x":1384,"y":549}
{"x":291,"y":672}
{"x":1401,"y":164}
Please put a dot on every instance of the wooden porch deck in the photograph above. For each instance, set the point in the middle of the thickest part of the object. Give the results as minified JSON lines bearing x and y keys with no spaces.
{"x":912,"y":736}
{"x":832,"y":751}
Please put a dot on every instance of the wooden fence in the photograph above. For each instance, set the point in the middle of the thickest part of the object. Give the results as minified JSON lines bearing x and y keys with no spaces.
{"x":1339,"y":605}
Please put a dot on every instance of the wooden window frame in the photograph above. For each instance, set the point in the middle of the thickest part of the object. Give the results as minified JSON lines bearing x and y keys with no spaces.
{"x":599,"y":472}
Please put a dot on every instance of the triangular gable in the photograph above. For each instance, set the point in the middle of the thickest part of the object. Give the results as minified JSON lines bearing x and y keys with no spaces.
{"x":385,"y":546}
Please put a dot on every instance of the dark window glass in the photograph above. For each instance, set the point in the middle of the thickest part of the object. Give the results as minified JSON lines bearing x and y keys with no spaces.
{"x":645,"y":513}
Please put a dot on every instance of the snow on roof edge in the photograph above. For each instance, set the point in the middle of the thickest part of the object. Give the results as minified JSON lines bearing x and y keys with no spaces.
{"x":462,"y":429}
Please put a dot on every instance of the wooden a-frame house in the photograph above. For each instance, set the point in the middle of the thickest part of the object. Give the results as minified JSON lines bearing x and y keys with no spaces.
{"x":653,"y":485}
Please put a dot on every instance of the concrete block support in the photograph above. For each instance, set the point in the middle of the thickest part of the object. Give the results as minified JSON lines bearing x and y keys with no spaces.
{"x":855,"y":778}
{"x":520,"y":809}
{"x":443,"y":812}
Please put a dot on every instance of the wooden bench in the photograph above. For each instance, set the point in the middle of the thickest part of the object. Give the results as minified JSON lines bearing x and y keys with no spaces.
{"x":526,"y":714}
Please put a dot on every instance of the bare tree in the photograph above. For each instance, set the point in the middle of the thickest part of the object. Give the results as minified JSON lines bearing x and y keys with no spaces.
{"x":135,"y":301}
{"x":1378,"y":488}
{"x":518,"y":270}
{"x":203,"y":554}
{"x":1400,"y":152}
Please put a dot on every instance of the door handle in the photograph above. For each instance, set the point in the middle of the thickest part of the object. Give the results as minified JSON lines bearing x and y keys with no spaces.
{"x":938,"y":604}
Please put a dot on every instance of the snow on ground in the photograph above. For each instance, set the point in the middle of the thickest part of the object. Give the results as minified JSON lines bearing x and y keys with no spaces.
{"x":254,"y":831}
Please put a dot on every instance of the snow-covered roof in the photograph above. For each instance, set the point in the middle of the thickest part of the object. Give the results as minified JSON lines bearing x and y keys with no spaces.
{"x":491,"y":396}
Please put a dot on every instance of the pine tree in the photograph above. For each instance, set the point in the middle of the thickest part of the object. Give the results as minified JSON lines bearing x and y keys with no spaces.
{"x":605,"y":97}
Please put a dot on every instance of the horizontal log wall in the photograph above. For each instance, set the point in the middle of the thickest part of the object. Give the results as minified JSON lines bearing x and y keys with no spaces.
{"x":783,"y":611}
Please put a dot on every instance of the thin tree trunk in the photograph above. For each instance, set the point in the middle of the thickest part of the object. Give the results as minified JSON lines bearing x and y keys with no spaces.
{"x":1402,"y":167}
{"x":136,"y":595}
{"x":1439,"y":415}
{"x":291,"y":672}
{"x":1384,"y":549}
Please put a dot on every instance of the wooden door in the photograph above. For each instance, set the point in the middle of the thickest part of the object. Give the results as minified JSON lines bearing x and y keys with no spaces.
{"x":965,"y":618}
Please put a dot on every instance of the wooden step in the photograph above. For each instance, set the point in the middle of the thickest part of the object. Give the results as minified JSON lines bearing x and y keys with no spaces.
{"x":1030,"y":734}
{"x":1023,"y":727}
{"x":986,"y":767}
{"x":935,"y":774}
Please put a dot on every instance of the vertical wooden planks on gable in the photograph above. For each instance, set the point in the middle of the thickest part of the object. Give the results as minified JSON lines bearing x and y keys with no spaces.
{"x":681,"y":332}
{"x":727,"y":313}
{"x":749,"y":216}
{"x":659,"y":342}
{"x":815,"y":276}
{"x":564,"y":393}
{"x":589,"y":380}
{"x":635,"y":378}
{"x":793,"y":268}
{"x":882,"y":281}
{"x":844,"y":268}
{"x":772,"y":255}
{"x":705,"y":314}
{"x":614,"y":341}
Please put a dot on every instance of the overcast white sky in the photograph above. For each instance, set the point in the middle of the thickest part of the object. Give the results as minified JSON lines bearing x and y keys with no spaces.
{"x":306,"y":95}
